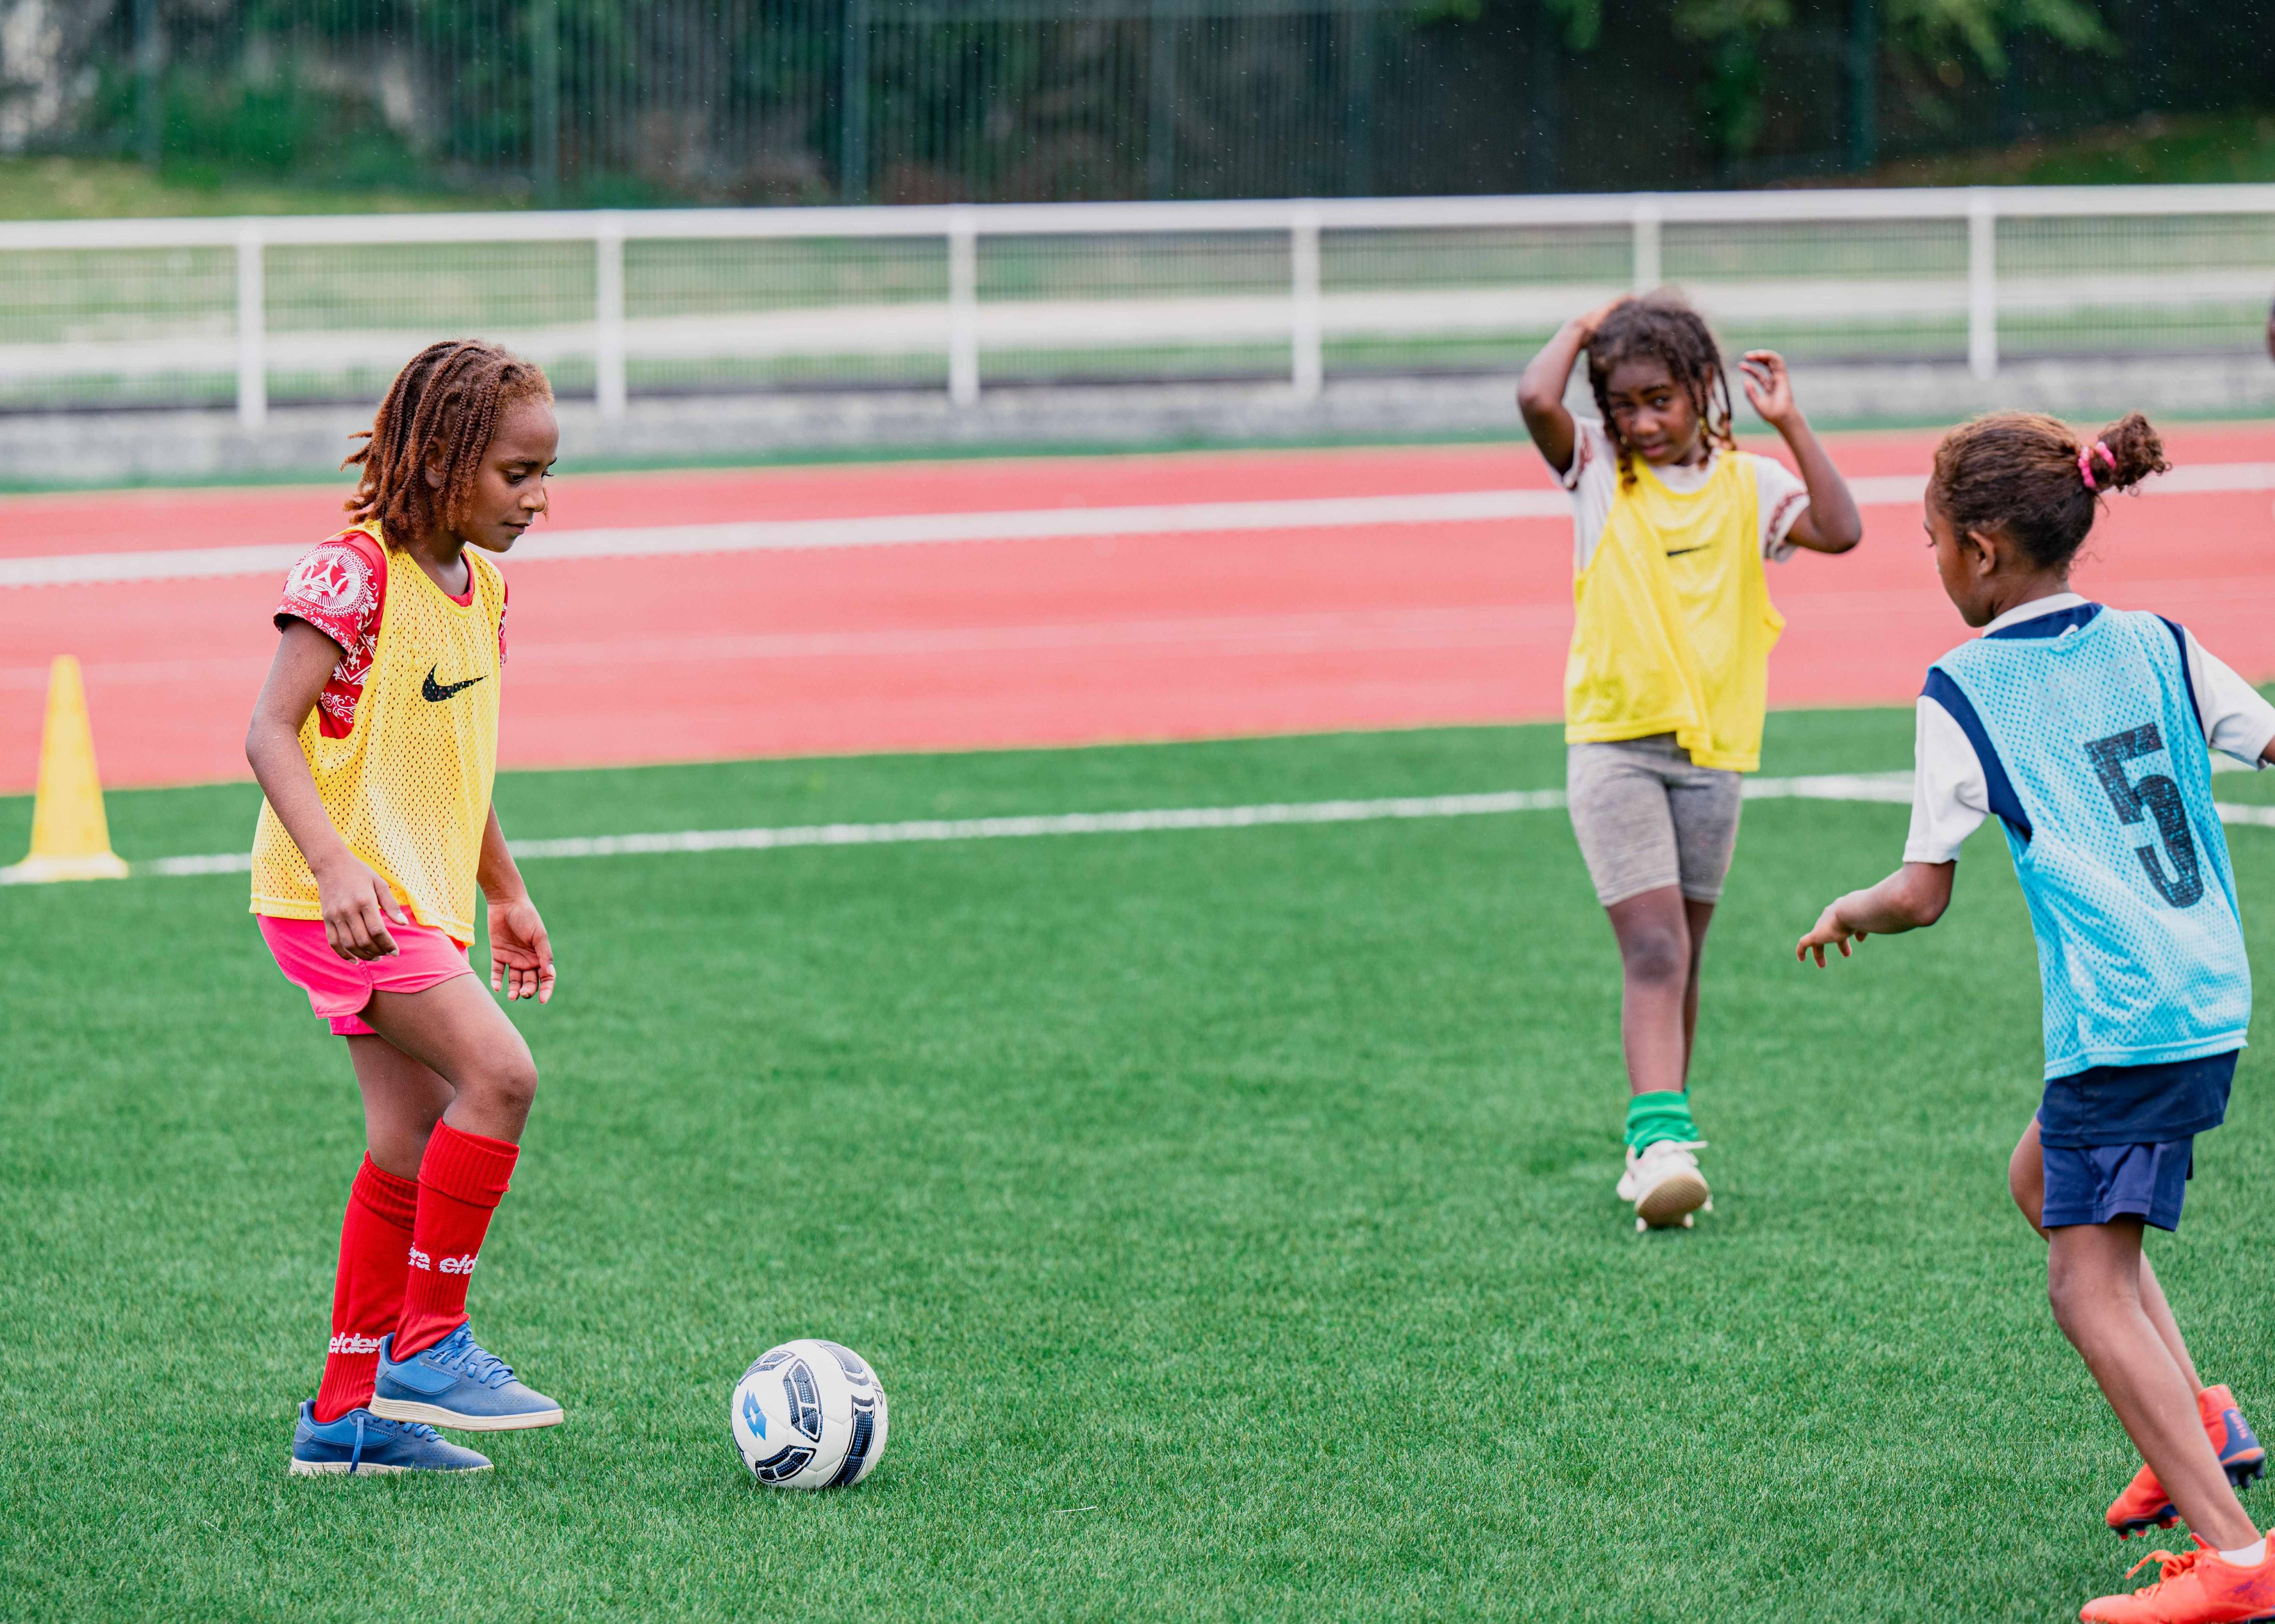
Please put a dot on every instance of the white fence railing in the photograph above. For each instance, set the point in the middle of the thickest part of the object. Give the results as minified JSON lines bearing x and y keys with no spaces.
{"x":952,"y":295}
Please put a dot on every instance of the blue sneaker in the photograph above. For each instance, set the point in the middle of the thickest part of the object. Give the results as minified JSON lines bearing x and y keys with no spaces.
{"x":360,"y":1442}
{"x":456,"y":1383}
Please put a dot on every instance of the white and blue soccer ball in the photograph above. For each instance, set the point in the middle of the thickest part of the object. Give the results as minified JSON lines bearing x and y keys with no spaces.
{"x":809,"y":1415}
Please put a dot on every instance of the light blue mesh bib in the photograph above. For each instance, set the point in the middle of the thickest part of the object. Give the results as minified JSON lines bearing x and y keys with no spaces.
{"x":2089,"y":734}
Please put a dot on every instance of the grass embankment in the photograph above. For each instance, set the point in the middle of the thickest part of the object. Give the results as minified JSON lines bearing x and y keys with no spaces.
{"x":111,"y":188}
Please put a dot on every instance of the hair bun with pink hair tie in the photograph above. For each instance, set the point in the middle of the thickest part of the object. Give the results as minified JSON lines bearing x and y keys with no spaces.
{"x":2085,"y":456}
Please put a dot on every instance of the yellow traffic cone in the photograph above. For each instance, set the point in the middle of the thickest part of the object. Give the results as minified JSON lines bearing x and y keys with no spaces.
{"x":70,"y":838}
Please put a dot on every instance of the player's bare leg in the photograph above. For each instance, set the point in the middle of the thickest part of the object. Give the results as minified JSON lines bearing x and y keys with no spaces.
{"x":2093,"y":1280}
{"x":403,"y":1099}
{"x":2026,"y":1180}
{"x":2144,"y":1502}
{"x":457,"y":1030}
{"x":1697,"y":915}
{"x":1659,"y":988}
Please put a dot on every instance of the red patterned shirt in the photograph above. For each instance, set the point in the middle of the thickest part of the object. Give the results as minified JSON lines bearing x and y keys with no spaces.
{"x":339,"y":587}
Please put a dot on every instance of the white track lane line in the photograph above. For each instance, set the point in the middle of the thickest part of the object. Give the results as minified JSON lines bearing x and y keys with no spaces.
{"x":1486,"y":626}
{"x":1034,"y":525}
{"x":1888,"y":788}
{"x":889,"y":529}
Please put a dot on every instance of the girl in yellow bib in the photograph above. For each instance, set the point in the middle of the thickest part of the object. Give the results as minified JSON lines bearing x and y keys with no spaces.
{"x":375,"y":743}
{"x":1666,"y":684}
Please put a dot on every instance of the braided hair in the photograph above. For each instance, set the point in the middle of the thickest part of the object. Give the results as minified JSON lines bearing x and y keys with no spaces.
{"x":2030,"y":477}
{"x":1661,"y":327}
{"x":440,"y":412}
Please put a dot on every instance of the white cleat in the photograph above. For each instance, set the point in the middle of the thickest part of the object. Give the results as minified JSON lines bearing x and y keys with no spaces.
{"x":1665,"y":1184}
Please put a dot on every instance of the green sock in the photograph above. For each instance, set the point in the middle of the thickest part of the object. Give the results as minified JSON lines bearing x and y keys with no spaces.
{"x":1656,"y":1116}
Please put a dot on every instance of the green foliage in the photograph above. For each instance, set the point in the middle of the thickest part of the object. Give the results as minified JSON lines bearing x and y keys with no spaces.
{"x":1980,"y":27}
{"x":1735,"y":35}
{"x":687,"y":101}
{"x":2155,"y":150}
{"x":1730,"y":99}
{"x":1984,"y":28}
{"x":1582,"y":21}
{"x":277,"y":125}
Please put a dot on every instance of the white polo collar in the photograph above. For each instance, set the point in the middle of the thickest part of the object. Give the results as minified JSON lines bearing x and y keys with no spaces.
{"x":2052,"y":604}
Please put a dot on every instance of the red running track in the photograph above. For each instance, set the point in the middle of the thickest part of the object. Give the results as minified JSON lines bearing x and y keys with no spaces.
{"x":979,"y":645}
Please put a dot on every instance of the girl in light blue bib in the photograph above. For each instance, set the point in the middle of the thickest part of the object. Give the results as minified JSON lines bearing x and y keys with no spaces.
{"x":2082,"y":729}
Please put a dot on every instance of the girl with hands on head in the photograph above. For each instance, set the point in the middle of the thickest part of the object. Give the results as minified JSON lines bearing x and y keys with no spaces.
{"x":1665,"y":685}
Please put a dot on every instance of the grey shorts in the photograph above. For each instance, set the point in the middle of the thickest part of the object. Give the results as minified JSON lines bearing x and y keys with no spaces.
{"x":1647,"y":817}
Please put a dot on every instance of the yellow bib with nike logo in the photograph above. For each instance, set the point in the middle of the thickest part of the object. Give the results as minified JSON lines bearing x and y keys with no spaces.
{"x":1675,"y":625}
{"x":409,"y":788}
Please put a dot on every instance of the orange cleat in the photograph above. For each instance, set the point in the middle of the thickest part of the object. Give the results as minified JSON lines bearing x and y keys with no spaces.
{"x":2194,"y":1588}
{"x":2144,"y":1503}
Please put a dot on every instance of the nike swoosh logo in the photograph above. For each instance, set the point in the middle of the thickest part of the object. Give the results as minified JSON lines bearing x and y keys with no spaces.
{"x":1677,"y":552}
{"x":437,"y":692}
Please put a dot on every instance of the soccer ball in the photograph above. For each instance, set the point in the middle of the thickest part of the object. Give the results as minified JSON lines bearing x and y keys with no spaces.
{"x":808,"y":1415}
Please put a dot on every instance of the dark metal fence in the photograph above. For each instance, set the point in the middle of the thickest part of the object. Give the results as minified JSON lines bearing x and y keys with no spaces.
{"x":632,"y":102}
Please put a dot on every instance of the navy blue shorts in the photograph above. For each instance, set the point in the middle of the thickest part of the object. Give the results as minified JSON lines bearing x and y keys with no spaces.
{"x":2120,"y":1141}
{"x":2094,"y":1184}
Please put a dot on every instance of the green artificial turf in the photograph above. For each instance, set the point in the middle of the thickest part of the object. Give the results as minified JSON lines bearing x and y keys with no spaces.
{"x":1228,"y":1213}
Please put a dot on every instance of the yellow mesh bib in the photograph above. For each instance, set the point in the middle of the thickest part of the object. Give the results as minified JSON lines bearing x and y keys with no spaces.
{"x":409,"y":788}
{"x":1674,"y":623}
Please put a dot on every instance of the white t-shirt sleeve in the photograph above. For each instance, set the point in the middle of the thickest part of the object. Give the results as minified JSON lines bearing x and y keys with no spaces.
{"x":2237,"y":721}
{"x":1593,"y":479}
{"x":1781,"y":495}
{"x":1950,"y":794}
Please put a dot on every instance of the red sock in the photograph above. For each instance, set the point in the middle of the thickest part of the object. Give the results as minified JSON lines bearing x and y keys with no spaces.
{"x":368,"y":1295}
{"x":461,"y":1180}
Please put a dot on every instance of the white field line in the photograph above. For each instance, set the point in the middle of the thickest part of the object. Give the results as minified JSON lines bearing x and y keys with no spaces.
{"x":970,"y":828}
{"x":1029,"y":524}
{"x":1888,"y":788}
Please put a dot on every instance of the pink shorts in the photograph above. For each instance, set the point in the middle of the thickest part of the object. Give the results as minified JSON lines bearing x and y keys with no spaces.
{"x":338,"y":988}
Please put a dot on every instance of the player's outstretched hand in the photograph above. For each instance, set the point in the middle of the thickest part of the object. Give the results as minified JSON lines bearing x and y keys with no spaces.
{"x":356,"y":904}
{"x":1768,"y":386}
{"x":1828,"y":932}
{"x":521,"y":955}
